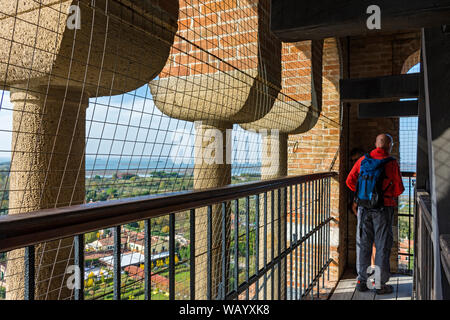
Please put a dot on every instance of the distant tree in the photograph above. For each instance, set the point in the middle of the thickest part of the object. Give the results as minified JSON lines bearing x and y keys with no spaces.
{"x":90,"y":237}
{"x":133,"y":225}
{"x":90,"y":282}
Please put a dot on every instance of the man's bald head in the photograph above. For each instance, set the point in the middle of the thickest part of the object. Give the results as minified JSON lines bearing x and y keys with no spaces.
{"x":384,"y":141}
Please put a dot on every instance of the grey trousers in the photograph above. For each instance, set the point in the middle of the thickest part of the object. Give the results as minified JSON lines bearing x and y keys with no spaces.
{"x":374,"y":225}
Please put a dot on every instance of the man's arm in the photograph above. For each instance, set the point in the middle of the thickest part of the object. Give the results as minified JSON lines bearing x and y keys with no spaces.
{"x":352,"y":178}
{"x":397,"y":181}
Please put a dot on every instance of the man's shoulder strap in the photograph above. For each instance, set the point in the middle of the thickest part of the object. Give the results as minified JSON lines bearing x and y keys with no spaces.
{"x":365,"y":157}
{"x":388,"y":159}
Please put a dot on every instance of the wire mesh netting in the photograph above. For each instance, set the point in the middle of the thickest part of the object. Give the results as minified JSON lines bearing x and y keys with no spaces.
{"x":408,"y":164}
{"x":406,"y":204}
{"x":110,"y":99}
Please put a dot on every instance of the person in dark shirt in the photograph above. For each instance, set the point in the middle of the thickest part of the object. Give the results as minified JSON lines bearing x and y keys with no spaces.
{"x":375,"y":225}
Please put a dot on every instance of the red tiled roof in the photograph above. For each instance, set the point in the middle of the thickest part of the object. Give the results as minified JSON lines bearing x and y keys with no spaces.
{"x":138,"y":274}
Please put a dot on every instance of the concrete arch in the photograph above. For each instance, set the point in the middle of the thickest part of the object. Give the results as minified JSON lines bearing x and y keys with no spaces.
{"x":222,"y":78}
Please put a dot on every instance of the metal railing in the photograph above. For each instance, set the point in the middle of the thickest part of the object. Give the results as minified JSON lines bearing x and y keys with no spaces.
{"x":423,"y":247}
{"x":444,"y":241}
{"x":275,"y":246}
{"x":406,"y":208}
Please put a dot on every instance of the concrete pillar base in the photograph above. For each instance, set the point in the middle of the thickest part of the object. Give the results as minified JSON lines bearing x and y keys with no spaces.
{"x":211,"y":170}
{"x":47,"y":171}
{"x":274,"y":165}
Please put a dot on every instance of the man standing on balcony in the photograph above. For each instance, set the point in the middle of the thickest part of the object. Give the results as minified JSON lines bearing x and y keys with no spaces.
{"x":377,"y":181}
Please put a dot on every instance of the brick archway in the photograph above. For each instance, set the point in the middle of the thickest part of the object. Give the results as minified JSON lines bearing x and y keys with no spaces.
{"x":411,"y":61}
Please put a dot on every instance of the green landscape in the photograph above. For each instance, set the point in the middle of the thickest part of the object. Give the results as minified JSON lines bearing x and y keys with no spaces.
{"x":125,"y":185}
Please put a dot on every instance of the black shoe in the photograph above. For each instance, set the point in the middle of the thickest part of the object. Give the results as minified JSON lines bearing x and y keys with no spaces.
{"x":361,"y":286}
{"x":385,"y":289}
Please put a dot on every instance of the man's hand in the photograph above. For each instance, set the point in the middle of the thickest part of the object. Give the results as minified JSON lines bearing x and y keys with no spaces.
{"x":355,"y":208}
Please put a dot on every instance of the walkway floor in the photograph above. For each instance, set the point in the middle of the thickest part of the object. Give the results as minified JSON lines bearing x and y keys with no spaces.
{"x":345,"y":289}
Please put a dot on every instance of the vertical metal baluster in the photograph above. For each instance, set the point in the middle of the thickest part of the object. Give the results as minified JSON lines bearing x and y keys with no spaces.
{"x":305,"y":254}
{"x":208,"y":254}
{"x":279,"y":244}
{"x":272,"y":249}
{"x":117,"y":264}
{"x":257,"y":213}
{"x":323,"y":233}
{"x":147,"y":260}
{"x":224,"y":251}
{"x":308,"y":203}
{"x":265,"y":245}
{"x":318,"y":237}
{"x":328,"y":224}
{"x":324,"y":229}
{"x":313,"y":236}
{"x":247,"y":244}
{"x":305,"y":209}
{"x":409,"y":222}
{"x":302,"y":235}
{"x":305,"y":242}
{"x":236,"y":244}
{"x":172,"y":256}
{"x":79,"y":262}
{"x":311,"y":226}
{"x":30,"y":273}
{"x":285,"y":240}
{"x":292,"y":255}
{"x":299,"y":259}
{"x":192,"y":253}
{"x":316,"y":254}
{"x":315,"y":232}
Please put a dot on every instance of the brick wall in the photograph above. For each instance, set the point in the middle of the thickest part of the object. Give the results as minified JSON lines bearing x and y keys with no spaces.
{"x":222,"y":36}
{"x":318,"y":149}
{"x":296,"y":71}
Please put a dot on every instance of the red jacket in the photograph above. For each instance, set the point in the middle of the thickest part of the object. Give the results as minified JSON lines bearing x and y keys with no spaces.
{"x":392,"y":175}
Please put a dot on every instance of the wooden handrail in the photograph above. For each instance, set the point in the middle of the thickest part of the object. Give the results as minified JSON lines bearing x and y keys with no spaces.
{"x":408,"y":174}
{"x":424,"y":206}
{"x":21,"y":230}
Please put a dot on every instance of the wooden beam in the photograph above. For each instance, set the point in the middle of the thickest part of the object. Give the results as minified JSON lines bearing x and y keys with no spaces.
{"x":394,"y":109}
{"x":380,"y":88}
{"x":294,"y":20}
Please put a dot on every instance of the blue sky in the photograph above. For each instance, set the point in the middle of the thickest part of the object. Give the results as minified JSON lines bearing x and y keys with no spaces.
{"x":408,"y":137}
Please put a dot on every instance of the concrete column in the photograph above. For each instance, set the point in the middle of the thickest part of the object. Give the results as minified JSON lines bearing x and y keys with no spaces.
{"x":274,"y":155}
{"x":274,"y":165}
{"x":47,"y":171}
{"x":210,"y":170}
